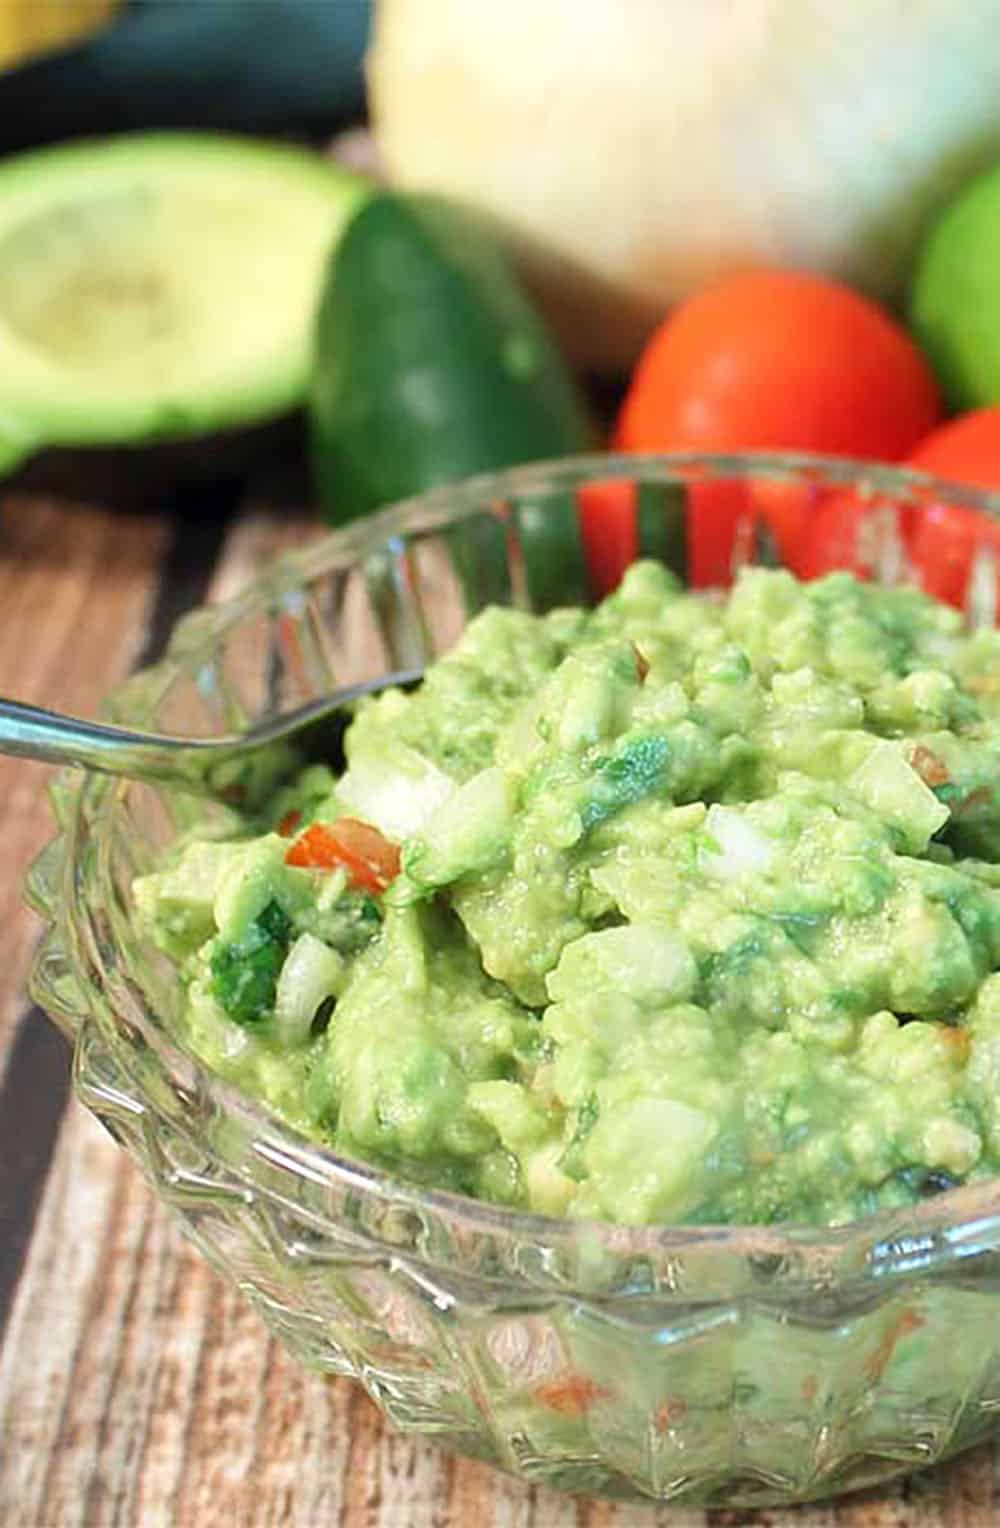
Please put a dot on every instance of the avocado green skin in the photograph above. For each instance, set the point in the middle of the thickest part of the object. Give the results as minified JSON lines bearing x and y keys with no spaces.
{"x":431,"y":363}
{"x":175,"y":63}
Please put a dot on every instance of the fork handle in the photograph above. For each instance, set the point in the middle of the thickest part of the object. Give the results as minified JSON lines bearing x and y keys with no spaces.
{"x":31,"y":732}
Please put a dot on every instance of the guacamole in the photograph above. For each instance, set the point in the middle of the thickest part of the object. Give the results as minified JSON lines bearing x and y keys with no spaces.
{"x":682,"y":909}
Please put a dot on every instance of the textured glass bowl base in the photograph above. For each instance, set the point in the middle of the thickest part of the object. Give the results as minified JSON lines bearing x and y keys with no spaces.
{"x":735,"y":1365}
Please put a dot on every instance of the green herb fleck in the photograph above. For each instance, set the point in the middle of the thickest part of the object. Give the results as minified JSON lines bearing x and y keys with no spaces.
{"x":245,"y":972}
{"x":571,"y":1161}
{"x":639,"y":770}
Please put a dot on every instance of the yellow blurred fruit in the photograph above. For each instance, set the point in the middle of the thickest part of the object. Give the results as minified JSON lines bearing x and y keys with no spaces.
{"x":28,"y":27}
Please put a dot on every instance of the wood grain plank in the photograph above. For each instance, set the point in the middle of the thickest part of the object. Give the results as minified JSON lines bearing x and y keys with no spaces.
{"x":81,"y":1458}
{"x":76,"y":585}
{"x":83,"y":574}
{"x":51,"y":1382}
{"x":138,"y":1389}
{"x":260,"y":535}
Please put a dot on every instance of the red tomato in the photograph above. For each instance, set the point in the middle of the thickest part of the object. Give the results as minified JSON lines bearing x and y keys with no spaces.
{"x":948,"y":536}
{"x":611,"y":539}
{"x":370,"y":860}
{"x":847,"y":533}
{"x":714,"y":515}
{"x":774,"y":359}
{"x":965,"y":450}
{"x":832,"y":538}
{"x":818,"y":527}
{"x":608,"y":529}
{"x":785,"y":509}
{"x":945,"y":543}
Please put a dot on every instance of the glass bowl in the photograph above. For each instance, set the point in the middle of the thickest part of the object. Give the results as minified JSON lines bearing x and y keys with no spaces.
{"x":738,"y":1365}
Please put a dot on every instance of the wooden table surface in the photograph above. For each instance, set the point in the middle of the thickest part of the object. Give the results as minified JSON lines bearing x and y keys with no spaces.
{"x":135,"y":1387}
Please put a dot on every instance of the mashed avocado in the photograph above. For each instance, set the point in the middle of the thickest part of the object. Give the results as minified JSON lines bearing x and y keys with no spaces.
{"x":681,"y":909}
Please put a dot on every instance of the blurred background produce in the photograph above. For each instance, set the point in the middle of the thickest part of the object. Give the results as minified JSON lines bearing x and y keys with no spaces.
{"x":28,"y":27}
{"x":431,"y":363}
{"x":268,"y":66}
{"x":632,"y":150}
{"x":79,"y":68}
{"x":160,"y":284}
{"x":955,"y":306}
{"x":779,"y":359}
{"x":754,"y":226}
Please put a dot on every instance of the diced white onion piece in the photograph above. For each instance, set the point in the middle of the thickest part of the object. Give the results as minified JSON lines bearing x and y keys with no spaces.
{"x":312,"y":972}
{"x":643,"y":961}
{"x":889,"y":785}
{"x":396,"y":794}
{"x":743,"y":848}
{"x":467,"y":833}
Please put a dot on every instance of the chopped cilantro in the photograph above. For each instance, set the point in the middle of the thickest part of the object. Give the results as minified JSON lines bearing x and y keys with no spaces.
{"x":571,"y":1160}
{"x":245,"y":972}
{"x":641,"y":769}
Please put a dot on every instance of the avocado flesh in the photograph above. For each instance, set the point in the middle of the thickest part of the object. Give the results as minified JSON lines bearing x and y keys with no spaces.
{"x":159,"y":286}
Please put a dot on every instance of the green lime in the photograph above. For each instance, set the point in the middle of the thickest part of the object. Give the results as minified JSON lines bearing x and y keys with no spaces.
{"x":955,"y":305}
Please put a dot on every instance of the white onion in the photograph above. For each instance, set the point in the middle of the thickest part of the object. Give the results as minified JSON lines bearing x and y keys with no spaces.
{"x":312,"y":972}
{"x":743,"y":848}
{"x":635,"y":148}
{"x":397,"y":793}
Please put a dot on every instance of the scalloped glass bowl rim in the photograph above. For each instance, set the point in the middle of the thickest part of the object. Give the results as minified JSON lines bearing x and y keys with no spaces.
{"x":940,"y":1230}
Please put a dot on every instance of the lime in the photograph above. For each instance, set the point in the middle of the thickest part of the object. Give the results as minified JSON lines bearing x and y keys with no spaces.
{"x":955,"y":305}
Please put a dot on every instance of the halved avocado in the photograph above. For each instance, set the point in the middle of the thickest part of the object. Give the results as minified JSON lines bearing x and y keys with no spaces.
{"x":157,"y":286}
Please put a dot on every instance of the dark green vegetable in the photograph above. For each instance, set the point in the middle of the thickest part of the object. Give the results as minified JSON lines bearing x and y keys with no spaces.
{"x":555,"y":569}
{"x":270,"y":66}
{"x":661,"y":524}
{"x":431,"y":362}
{"x":479,"y":555}
{"x":245,"y":973}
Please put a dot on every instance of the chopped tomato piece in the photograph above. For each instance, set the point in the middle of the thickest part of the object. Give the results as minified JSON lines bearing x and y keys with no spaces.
{"x":931,"y":769}
{"x":983,"y":684}
{"x":608,"y":527}
{"x":570,"y":1395}
{"x":958,"y":1041}
{"x":878,"y":1360}
{"x":289,"y":823}
{"x":371,"y":861}
{"x":668,"y":1412}
{"x":641,"y":664}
